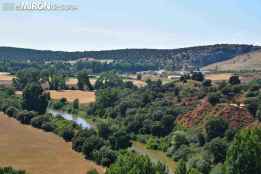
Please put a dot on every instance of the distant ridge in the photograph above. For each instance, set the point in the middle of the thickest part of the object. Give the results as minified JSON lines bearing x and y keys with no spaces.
{"x":172,"y":58}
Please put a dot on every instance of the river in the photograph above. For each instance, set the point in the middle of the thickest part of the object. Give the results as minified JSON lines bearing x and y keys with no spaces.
{"x":79,"y":121}
{"x":154,"y":155}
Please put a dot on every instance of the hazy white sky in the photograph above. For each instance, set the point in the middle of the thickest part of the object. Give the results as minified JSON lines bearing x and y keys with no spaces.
{"x":113,"y":24}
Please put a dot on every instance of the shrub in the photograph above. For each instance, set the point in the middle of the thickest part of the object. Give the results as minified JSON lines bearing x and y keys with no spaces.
{"x":48,"y":127}
{"x":203,"y":166}
{"x":218,"y":147}
{"x":181,"y":153}
{"x":215,"y":127}
{"x":207,"y":83}
{"x":91,"y":144}
{"x":39,"y":120}
{"x":76,"y":104}
{"x":198,"y":76}
{"x":80,"y":137}
{"x":68,"y":134}
{"x":25,"y":117}
{"x":58,"y":105}
{"x":214,"y":98}
{"x":230,"y":133}
{"x":10,"y":170}
{"x":178,"y":139}
{"x":234,"y":80}
{"x":181,"y":167}
{"x":11,"y":111}
{"x":104,"y":156}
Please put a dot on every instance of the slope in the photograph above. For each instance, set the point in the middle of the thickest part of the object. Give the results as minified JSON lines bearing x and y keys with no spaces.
{"x":245,"y":62}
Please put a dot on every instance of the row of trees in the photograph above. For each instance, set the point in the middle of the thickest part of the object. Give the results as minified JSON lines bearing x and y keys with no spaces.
{"x":49,"y":79}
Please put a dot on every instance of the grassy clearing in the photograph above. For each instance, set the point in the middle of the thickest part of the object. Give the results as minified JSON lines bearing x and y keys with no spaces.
{"x":154,"y":155}
{"x":38,"y":152}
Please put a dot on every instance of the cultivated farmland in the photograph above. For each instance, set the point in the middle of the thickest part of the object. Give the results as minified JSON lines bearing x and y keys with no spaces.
{"x":84,"y":97}
{"x":218,"y":77}
{"x":38,"y":152}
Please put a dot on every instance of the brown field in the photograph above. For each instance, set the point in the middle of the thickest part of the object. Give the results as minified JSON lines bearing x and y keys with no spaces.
{"x":218,"y":77}
{"x":74,"y":81}
{"x":84,"y":97}
{"x":6,"y":79}
{"x":244,"y":62}
{"x":38,"y":152}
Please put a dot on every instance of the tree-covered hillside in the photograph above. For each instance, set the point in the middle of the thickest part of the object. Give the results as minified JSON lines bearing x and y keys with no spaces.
{"x":172,"y":59}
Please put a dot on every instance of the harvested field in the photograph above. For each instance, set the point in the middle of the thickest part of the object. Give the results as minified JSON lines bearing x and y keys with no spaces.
{"x":6,"y":79}
{"x":84,"y":97}
{"x":74,"y":81}
{"x":218,"y":77}
{"x":38,"y":152}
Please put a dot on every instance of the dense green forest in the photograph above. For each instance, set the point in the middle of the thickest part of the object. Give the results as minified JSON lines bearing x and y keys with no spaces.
{"x":136,"y":59}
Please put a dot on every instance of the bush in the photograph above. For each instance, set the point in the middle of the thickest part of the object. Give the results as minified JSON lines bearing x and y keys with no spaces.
{"x":218,"y":147}
{"x":39,"y":120}
{"x":91,"y":144}
{"x":10,"y":170}
{"x":68,"y":134}
{"x":181,"y":153}
{"x":25,"y":117}
{"x":58,"y":105}
{"x":234,"y":80}
{"x":214,"y":98}
{"x":203,"y":166}
{"x":215,"y":127}
{"x":181,"y":167}
{"x":79,"y":138}
{"x":76,"y":104}
{"x":11,"y":111}
{"x":230,"y":133}
{"x":198,"y":76}
{"x":48,"y":127}
{"x":207,"y":83}
{"x":178,"y":139}
{"x":104,"y":156}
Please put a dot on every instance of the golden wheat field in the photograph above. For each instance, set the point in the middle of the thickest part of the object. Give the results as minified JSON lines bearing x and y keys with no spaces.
{"x":38,"y":152}
{"x":6,"y":79}
{"x":84,"y":97}
{"x":218,"y":77}
{"x":74,"y":81}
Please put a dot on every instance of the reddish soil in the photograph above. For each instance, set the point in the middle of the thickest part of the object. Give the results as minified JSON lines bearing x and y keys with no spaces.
{"x":235,"y":116}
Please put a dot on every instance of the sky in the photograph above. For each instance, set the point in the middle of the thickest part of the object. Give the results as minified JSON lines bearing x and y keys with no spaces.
{"x":118,"y":24}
